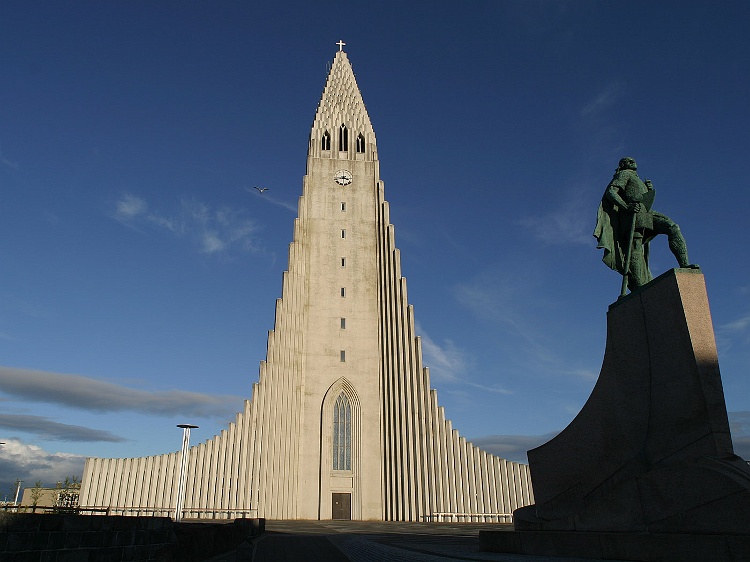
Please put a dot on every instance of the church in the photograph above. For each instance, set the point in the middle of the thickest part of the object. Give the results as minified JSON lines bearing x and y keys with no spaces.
{"x":342,"y":423}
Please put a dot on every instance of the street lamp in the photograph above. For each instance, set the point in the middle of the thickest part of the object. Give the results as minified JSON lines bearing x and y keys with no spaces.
{"x":186,"y":427}
{"x":18,"y":490}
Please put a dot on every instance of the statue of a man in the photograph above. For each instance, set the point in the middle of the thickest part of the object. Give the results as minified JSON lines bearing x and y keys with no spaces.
{"x":626,"y":225}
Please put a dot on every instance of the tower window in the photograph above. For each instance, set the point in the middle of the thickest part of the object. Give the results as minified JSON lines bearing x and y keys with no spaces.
{"x":360,"y":143}
{"x":326,"y":142}
{"x":343,"y":206}
{"x":343,"y":138}
{"x":343,"y":356}
{"x":342,"y":433}
{"x":343,"y":233}
{"x":343,"y":323}
{"x":343,"y":291}
{"x":343,"y":262}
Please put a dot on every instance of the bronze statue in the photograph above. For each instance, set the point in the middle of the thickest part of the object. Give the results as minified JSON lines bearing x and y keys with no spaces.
{"x":626,"y":225}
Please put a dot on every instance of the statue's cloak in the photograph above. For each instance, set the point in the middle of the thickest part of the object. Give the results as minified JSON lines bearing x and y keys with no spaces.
{"x":612,"y":234}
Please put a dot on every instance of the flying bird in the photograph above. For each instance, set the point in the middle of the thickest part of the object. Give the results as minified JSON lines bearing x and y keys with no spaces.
{"x":261,"y":189}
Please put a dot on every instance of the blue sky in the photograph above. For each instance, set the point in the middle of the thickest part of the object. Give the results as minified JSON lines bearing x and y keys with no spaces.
{"x":139,"y":269}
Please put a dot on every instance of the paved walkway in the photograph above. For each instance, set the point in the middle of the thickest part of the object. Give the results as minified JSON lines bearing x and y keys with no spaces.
{"x":366,"y":541}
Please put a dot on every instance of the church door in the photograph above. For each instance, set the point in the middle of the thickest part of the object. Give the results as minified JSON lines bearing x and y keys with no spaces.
{"x":341,"y":507}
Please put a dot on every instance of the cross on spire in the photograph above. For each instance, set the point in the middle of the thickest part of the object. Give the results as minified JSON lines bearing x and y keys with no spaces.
{"x":341,"y":45}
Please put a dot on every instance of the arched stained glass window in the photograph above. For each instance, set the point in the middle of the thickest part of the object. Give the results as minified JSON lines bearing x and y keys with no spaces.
{"x":342,"y":433}
{"x":360,"y":143}
{"x":343,"y":138}
{"x":326,"y":144}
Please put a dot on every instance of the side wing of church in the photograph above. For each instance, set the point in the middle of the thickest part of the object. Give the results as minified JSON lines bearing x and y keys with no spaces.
{"x":342,"y":423}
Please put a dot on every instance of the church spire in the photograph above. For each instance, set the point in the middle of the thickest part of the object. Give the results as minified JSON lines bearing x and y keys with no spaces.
{"x":341,"y":128}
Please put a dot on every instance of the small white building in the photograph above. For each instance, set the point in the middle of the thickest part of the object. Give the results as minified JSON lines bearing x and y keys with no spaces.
{"x":342,"y":423}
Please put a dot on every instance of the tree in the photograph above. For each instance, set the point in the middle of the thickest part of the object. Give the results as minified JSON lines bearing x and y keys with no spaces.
{"x":36,"y":493}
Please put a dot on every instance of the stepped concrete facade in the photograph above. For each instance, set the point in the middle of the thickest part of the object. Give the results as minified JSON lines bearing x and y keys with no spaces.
{"x":343,"y":423}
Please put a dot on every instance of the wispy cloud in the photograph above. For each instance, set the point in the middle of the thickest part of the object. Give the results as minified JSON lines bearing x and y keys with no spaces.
{"x":272,"y":200}
{"x":212,"y":230}
{"x":508,"y":300}
{"x":31,"y":463}
{"x":586,"y":374}
{"x":90,"y":394}
{"x":739,"y":423}
{"x":603,"y":100}
{"x":570,"y":223}
{"x":54,"y":431}
{"x":448,"y":363}
{"x":738,"y":326}
{"x":129,"y":207}
{"x":495,"y":297}
{"x":511,"y":447}
{"x":4,"y":160}
{"x":600,"y":123}
{"x":735,"y":332}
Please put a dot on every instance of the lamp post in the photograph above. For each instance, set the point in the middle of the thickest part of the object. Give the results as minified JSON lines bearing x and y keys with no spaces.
{"x":18,"y":490}
{"x":186,"y":427}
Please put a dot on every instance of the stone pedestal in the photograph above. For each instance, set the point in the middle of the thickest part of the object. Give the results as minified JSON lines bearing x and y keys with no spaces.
{"x":651,"y":449}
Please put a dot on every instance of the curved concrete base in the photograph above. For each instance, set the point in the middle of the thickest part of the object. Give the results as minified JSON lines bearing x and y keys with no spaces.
{"x":651,"y":449}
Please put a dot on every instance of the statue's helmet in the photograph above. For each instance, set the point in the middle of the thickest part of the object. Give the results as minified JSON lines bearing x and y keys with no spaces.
{"x":627,"y":163}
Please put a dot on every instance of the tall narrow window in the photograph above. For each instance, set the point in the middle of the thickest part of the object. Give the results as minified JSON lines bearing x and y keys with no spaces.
{"x":342,"y":433}
{"x":343,"y":233}
{"x":343,"y":356}
{"x":326,"y":142}
{"x":343,"y":206}
{"x":343,"y":138}
{"x":360,"y":143}
{"x":343,"y":292}
{"x":343,"y":262}
{"x":343,"y":323}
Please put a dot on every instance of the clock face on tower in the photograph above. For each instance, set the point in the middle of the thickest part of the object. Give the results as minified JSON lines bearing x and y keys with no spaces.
{"x":343,"y":177}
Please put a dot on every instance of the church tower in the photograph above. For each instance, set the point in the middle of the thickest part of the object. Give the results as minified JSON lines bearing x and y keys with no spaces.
{"x":338,"y":278}
{"x":342,"y":423}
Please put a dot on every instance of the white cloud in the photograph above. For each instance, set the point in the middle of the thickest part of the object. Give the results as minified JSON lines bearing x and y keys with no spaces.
{"x":446,"y":362}
{"x":213,"y":231}
{"x":7,"y":162}
{"x":31,"y":463}
{"x":738,"y":326}
{"x":450,"y":364}
{"x":731,"y":333}
{"x":602,"y":101}
{"x":211,"y":242}
{"x":586,"y":374}
{"x":739,"y":424}
{"x":129,"y":207}
{"x":494,"y":388}
{"x":94,"y":395}
{"x":507,"y":299}
{"x":496,"y":297}
{"x":569,"y":223}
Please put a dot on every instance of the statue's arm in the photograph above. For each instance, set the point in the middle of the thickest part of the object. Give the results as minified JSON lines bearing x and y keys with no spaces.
{"x":612,"y":193}
{"x":617,"y":186}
